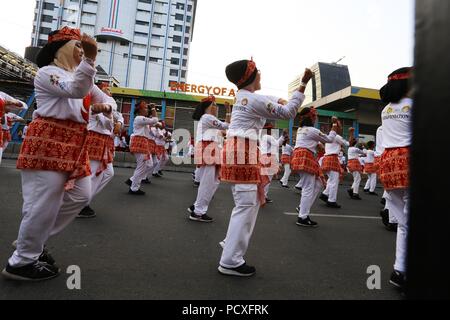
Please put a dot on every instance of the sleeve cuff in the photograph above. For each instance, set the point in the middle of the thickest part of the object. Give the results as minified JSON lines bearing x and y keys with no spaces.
{"x":87,"y":69}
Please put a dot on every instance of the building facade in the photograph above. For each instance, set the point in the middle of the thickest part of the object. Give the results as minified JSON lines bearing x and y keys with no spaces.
{"x":144,"y":44}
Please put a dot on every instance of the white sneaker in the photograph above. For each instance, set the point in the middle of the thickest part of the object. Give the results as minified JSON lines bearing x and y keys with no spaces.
{"x":222,"y":244}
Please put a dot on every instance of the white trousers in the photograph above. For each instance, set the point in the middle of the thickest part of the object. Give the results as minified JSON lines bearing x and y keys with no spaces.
{"x":399,"y":206}
{"x":332,"y":186}
{"x":98,"y":183}
{"x":311,"y":187}
{"x":47,"y":210}
{"x":242,"y":223}
{"x":161,"y":164}
{"x":198,"y":174}
{"x":1,"y":155}
{"x":287,"y":174}
{"x":208,"y":186}
{"x":142,"y":168}
{"x":356,"y":182}
{"x":267,"y":187}
{"x":371,"y":183}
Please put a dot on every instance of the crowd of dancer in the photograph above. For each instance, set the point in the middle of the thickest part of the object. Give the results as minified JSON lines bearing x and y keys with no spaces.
{"x":66,"y":158}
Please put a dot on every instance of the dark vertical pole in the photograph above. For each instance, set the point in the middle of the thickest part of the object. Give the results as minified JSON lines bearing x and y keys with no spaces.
{"x":429,"y":240}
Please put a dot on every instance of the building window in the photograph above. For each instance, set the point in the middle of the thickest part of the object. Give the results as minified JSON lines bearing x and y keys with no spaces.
{"x":180,"y":6}
{"x":145,"y":1}
{"x":45,"y":30}
{"x":48,"y":6}
{"x":174,"y":72}
{"x":157,"y":25}
{"x":188,"y":29}
{"x":185,"y":51}
{"x":186,"y":40}
{"x":175,"y":61}
{"x":176,"y":49}
{"x":178,"y":27}
{"x":188,"y":19}
{"x":47,"y":18}
{"x":141,"y":34}
{"x":125,"y":55}
{"x":142,"y":23}
{"x":124,"y":43}
{"x":42,"y":43}
{"x":189,"y":8}
{"x":184,"y":62}
{"x":152,"y":59}
{"x":156,"y":36}
{"x":176,"y":39}
{"x":101,"y":40}
{"x":179,"y":17}
{"x":183,"y":73}
{"x":134,"y":56}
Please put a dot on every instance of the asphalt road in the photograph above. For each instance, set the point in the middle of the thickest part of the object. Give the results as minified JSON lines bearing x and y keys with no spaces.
{"x":146,"y":248}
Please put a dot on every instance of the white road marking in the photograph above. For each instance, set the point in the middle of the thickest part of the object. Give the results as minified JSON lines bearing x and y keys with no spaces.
{"x":335,"y":216}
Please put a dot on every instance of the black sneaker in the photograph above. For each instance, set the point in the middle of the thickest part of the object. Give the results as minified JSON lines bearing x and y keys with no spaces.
{"x":160,"y":173}
{"x":298,"y":188}
{"x":146,"y":181}
{"x":350,"y":193}
{"x":36,"y":271}
{"x":86,"y":213}
{"x":373,"y":193}
{"x":269,"y":200}
{"x":307,"y":222}
{"x":44,"y":257}
{"x":191,"y":209}
{"x":285,"y":186}
{"x":366,"y":190}
{"x":392,"y":227}
{"x":204,"y":218}
{"x":156,"y":175}
{"x":397,"y":279}
{"x":242,"y":271}
{"x":324,"y":198}
{"x":384,"y":214}
{"x":333,"y":205}
{"x":196,"y":184}
{"x":383,"y":202}
{"x":129,"y":182}
{"x":136,"y":193}
{"x":356,"y":197}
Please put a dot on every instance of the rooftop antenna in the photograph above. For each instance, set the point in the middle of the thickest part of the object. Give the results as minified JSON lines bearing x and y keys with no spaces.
{"x":339,"y":60}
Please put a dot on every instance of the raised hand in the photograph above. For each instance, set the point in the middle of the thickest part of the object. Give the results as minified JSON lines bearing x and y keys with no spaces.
{"x":89,"y":46}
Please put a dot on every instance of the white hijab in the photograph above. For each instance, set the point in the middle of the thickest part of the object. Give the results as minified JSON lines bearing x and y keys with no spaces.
{"x":64,"y":57}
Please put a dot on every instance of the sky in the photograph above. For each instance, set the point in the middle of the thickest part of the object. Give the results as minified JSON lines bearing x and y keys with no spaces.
{"x":283,"y":37}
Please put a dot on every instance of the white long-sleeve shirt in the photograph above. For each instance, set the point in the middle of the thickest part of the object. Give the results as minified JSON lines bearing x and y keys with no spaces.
{"x":396,"y":121}
{"x":251,"y":111}
{"x":287,"y":150}
{"x":370,"y":156}
{"x":208,"y":128}
{"x":334,"y":148}
{"x":6,"y":97}
{"x":355,"y":153}
{"x":309,"y":138}
{"x":59,"y":93}
{"x":269,"y":144}
{"x":379,"y":143}
{"x":141,"y":126}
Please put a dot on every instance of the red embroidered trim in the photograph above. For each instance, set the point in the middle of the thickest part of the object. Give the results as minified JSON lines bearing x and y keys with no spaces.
{"x":207,"y":153}
{"x":64,"y":34}
{"x":99,"y":149}
{"x":56,"y":145}
{"x":394,"y":168}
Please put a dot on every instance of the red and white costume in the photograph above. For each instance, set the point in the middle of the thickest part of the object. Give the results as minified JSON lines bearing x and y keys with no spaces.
{"x":141,"y":148}
{"x":269,"y":149}
{"x":207,"y":158}
{"x":370,"y":170}
{"x":394,"y":169}
{"x":161,"y":152}
{"x":332,"y":167}
{"x":54,"y":157}
{"x":241,"y":168}
{"x":286,"y":157}
{"x":307,"y":166}
{"x":355,"y":167}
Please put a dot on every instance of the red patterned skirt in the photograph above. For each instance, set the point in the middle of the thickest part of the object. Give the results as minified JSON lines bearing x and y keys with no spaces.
{"x":160,"y":152}
{"x":303,"y":161}
{"x":394,"y":168}
{"x":355,"y":166}
{"x":377,"y":164}
{"x":207,"y":153}
{"x":331,"y":163}
{"x":369,"y":168}
{"x":152,"y":146}
{"x":285,"y":159}
{"x":99,"y":149}
{"x":241,"y":165}
{"x":139,"y":144}
{"x":6,"y":136}
{"x":56,"y":145}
